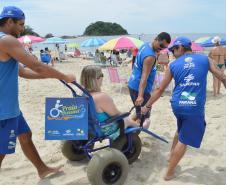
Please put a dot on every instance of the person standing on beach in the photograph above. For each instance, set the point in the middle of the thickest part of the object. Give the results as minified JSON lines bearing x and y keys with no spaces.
{"x":143,"y":73}
{"x":218,"y":56}
{"x":12,"y":122}
{"x":189,"y":71}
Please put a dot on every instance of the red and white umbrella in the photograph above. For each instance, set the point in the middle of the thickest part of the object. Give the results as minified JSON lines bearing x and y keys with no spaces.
{"x":28,"y":39}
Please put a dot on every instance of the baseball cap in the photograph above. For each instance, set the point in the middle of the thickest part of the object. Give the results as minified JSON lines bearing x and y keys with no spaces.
{"x":12,"y":12}
{"x":180,"y":41}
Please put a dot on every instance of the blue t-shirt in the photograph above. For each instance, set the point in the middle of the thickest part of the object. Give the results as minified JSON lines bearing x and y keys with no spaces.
{"x":134,"y":80}
{"x":9,"y":103}
{"x":190,"y":74}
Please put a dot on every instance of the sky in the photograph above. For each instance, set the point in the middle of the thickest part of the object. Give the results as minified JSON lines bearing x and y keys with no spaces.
{"x":71,"y":17}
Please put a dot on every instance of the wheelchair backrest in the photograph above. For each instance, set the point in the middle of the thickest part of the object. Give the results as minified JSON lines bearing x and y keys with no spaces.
{"x":93,"y":122}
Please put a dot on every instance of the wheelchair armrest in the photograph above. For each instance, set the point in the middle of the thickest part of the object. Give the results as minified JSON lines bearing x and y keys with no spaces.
{"x":117,"y":117}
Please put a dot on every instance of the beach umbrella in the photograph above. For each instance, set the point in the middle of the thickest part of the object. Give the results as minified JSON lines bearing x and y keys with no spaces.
{"x":92,"y":42}
{"x":55,"y":40}
{"x":210,"y":42}
{"x":73,"y":45}
{"x":202,"y":39}
{"x":123,"y":42}
{"x":194,"y":46}
{"x":28,"y":39}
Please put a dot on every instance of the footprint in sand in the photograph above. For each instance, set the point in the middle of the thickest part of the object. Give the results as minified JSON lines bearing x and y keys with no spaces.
{"x":216,"y":116}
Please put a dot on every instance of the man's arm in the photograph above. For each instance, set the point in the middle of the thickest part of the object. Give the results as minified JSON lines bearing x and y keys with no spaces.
{"x":147,"y":67}
{"x":14,"y":49}
{"x":28,"y":73}
{"x":158,"y":92}
{"x":216,"y":72}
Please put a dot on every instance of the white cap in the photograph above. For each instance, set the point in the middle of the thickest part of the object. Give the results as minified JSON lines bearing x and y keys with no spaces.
{"x":216,"y":39}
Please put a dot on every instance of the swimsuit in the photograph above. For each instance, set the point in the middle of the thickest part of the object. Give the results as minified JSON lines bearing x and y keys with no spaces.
{"x":220,"y":65}
{"x":111,"y":130}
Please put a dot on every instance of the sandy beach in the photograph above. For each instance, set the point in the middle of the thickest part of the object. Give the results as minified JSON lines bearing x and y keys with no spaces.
{"x":205,"y":166}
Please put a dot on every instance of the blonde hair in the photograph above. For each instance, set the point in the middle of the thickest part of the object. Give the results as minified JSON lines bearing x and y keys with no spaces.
{"x":89,"y":77}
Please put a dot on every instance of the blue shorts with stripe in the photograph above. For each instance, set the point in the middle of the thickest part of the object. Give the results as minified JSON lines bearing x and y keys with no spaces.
{"x":9,"y":130}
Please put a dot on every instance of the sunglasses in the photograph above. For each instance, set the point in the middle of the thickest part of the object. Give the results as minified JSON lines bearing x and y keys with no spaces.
{"x":100,"y":76}
{"x":176,"y":47}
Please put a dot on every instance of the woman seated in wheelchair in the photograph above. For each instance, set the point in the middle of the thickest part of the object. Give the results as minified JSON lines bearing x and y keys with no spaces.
{"x":91,"y":79}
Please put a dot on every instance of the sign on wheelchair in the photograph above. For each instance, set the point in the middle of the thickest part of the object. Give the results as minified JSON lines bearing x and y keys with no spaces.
{"x":66,"y":119}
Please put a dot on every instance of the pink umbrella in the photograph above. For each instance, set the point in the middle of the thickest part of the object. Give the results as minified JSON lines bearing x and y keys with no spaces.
{"x":28,"y":39}
{"x":194,"y":46}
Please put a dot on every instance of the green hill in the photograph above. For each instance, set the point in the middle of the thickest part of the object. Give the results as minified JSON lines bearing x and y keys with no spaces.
{"x":100,"y":28}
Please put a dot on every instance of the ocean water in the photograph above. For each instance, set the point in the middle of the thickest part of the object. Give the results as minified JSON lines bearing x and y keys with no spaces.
{"x":144,"y":37}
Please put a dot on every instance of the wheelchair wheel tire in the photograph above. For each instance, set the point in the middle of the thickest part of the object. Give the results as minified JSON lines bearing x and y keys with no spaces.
{"x":71,"y":151}
{"x":133,"y":153}
{"x":108,"y":167}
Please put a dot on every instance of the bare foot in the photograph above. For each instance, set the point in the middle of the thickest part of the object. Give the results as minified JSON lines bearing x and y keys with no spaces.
{"x":50,"y":171}
{"x":168,"y":178}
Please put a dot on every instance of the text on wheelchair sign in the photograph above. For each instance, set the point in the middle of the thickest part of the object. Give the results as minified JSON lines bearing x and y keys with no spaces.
{"x":66,"y":112}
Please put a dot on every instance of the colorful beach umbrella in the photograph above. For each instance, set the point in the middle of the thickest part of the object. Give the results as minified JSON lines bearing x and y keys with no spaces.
{"x":202,"y":39}
{"x":28,"y":39}
{"x":92,"y":42}
{"x":194,"y":46}
{"x":55,"y":40}
{"x":73,"y":45}
{"x":210,"y":42}
{"x":122,"y":43}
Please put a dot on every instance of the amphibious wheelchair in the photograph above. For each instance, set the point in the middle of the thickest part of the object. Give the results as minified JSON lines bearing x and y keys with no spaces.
{"x":109,"y":163}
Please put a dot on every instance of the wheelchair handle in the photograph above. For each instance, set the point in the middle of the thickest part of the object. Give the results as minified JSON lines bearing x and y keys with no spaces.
{"x":77,"y":85}
{"x":68,"y":86}
{"x":132,"y":109}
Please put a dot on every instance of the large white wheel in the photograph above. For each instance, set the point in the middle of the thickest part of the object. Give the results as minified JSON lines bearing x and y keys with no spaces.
{"x":108,"y":167}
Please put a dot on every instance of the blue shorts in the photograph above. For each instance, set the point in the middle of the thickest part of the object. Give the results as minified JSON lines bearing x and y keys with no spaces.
{"x":191,"y":129}
{"x":9,"y":130}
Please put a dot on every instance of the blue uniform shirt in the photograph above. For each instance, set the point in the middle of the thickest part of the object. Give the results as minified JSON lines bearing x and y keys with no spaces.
{"x":190,"y":74}
{"x":134,"y":81}
{"x":9,"y":103}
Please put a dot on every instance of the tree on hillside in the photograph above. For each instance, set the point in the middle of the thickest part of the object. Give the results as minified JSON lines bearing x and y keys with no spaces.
{"x":29,"y":31}
{"x":104,"y":28}
{"x":49,"y":35}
